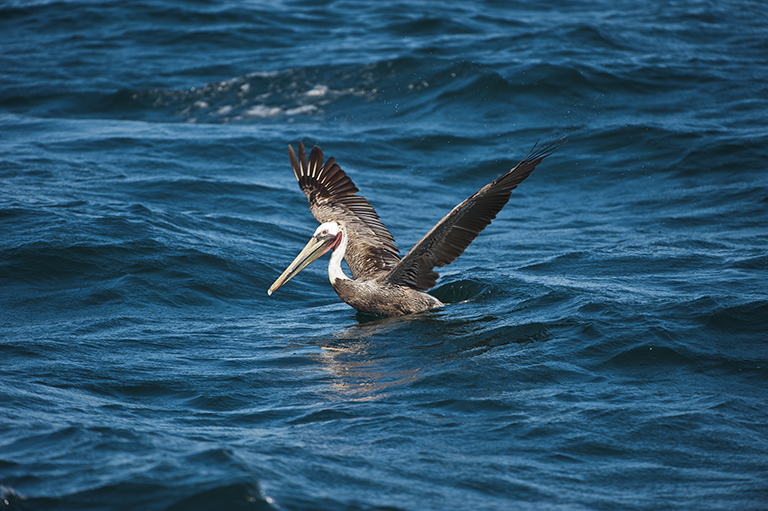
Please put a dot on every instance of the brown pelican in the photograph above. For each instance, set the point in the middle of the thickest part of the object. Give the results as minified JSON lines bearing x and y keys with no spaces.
{"x":382,"y":282}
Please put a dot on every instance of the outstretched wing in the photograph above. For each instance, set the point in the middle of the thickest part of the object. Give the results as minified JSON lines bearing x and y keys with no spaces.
{"x":452,"y":235}
{"x":332,"y":197}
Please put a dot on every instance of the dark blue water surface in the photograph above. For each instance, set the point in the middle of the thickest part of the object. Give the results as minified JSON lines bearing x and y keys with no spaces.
{"x":607,"y":344}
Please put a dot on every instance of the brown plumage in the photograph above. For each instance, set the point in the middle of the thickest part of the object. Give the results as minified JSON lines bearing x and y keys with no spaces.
{"x":331,"y":196}
{"x":382,"y":282}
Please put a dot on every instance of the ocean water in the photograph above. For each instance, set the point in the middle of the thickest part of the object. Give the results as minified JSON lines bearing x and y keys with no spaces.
{"x":606,"y":342}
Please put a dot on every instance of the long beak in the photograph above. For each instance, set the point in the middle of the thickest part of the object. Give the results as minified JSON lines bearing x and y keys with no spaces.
{"x":314,"y":249}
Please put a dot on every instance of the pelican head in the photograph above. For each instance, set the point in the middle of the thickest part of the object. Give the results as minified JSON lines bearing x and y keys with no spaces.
{"x":326,"y":237}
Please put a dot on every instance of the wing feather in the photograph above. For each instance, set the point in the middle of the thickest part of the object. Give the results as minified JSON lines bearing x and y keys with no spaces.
{"x":452,"y":235}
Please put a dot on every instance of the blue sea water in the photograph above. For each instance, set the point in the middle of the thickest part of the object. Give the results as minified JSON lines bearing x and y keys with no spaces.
{"x":606,"y":342}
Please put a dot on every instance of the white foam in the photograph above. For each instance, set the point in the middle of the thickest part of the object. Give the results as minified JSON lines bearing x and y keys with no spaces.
{"x":317,"y":91}
{"x":262,"y":111}
{"x":305,"y":109}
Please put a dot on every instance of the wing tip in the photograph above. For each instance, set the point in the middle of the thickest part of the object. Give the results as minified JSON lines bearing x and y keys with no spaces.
{"x":541,"y":151}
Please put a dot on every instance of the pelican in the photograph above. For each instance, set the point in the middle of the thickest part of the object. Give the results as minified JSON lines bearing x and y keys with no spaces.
{"x":383,"y":283}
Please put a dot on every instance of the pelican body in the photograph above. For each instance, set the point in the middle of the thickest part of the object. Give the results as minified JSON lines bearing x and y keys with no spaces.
{"x":382,"y":282}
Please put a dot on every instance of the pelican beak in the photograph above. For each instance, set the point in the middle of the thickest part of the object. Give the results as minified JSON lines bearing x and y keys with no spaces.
{"x":317,"y":246}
